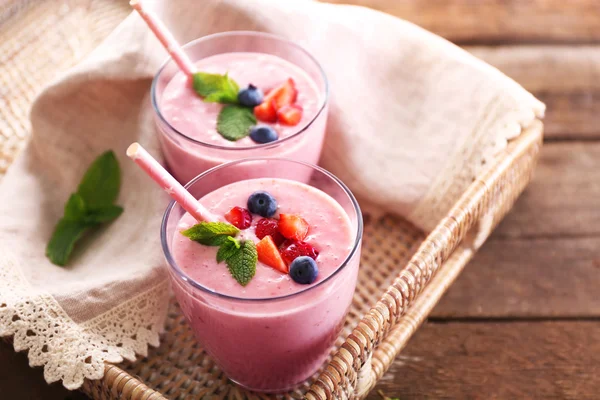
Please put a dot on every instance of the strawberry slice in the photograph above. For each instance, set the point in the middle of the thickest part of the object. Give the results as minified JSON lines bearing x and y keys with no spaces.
{"x":290,"y":114}
{"x":239,"y":217}
{"x":293,"y":226}
{"x":269,"y":227}
{"x":292,"y":249}
{"x":285,"y":94}
{"x":266,"y":111}
{"x":269,"y":254}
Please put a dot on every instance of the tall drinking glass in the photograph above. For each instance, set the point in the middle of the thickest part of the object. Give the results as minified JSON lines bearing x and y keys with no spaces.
{"x":268,"y":344}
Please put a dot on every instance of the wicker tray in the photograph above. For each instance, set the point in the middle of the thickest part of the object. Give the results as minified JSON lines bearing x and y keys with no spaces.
{"x":403,"y":272}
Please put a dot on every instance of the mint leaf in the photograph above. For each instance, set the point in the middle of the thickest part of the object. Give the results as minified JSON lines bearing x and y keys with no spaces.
{"x":215,"y":88}
{"x":66,"y":234}
{"x":234,"y":122}
{"x":210,"y":233}
{"x":228,"y":249}
{"x":104,"y":214}
{"x":242,"y":262}
{"x":100,"y":184}
{"x":75,"y":208}
{"x":90,"y":206}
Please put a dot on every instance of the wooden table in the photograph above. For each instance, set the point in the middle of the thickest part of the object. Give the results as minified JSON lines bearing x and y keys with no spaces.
{"x":523,"y":319}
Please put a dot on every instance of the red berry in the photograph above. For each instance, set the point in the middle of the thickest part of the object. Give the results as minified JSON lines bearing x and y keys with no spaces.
{"x":269,"y":227}
{"x":269,"y":254}
{"x":285,"y":94}
{"x":266,"y":111}
{"x":290,"y":114}
{"x":293,"y":226}
{"x":239,"y":217}
{"x":292,"y":249}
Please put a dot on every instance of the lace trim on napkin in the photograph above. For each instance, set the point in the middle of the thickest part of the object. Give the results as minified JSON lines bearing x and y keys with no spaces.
{"x":511,"y":118}
{"x":69,"y":351}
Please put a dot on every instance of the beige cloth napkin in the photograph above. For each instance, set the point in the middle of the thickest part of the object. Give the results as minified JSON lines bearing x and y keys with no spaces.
{"x":412,"y":119}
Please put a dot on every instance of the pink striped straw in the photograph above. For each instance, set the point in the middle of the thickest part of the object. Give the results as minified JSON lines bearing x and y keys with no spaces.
{"x":166,"y":38}
{"x":166,"y":181}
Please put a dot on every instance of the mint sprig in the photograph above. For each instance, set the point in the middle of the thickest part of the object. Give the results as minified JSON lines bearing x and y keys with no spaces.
{"x":211,"y":233}
{"x":234,"y":122}
{"x":227,"y":249}
{"x":242,"y":262}
{"x":216,"y":88}
{"x":87,"y":208}
{"x":240,"y":256}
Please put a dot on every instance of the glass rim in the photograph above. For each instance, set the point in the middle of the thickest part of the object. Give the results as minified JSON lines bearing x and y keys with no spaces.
{"x":169,"y":59}
{"x":188,"y":280}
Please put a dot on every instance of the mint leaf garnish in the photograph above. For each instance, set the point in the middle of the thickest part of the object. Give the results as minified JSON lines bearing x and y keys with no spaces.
{"x":242,"y":262}
{"x":100,"y":184}
{"x":211,"y":233}
{"x":228,"y":249}
{"x":89,"y":207}
{"x":215,"y":88}
{"x":240,"y":256}
{"x":234,"y":122}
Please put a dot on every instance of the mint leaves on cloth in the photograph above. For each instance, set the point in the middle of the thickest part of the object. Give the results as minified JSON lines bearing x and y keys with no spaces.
{"x":89,"y":207}
{"x":234,"y":121}
{"x":240,"y":256}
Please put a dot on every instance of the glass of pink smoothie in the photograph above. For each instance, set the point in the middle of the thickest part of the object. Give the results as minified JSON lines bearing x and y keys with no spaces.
{"x":273,"y":333}
{"x":187,"y":125}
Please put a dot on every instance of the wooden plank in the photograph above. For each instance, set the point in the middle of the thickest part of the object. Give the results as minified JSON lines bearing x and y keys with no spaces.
{"x":498,"y":21}
{"x":19,"y":381}
{"x":566,"y":78}
{"x":564,"y":197}
{"x":498,"y":361}
{"x":531,"y":278}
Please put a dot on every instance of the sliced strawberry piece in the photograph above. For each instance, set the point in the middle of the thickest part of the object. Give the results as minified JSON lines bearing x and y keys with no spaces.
{"x":269,"y":254}
{"x":285,"y":94}
{"x":292,"y":249}
{"x":293,"y":226}
{"x":282,"y":95}
{"x":239,"y":217}
{"x":290,"y":114}
{"x":269,"y":227}
{"x":266,"y":111}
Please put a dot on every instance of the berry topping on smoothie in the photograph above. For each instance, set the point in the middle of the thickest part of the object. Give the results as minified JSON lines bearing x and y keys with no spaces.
{"x":304,"y":270}
{"x":237,"y":119}
{"x":293,"y":226}
{"x":251,"y":96}
{"x":280,"y":241}
{"x":269,"y":254}
{"x":269,"y":227}
{"x":292,"y":249}
{"x":263,"y":134}
{"x":279,"y":105}
{"x":290,"y":114}
{"x":262,"y":203}
{"x":239,"y":217}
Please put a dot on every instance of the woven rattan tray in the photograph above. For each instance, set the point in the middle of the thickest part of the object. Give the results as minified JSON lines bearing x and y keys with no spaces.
{"x":403,"y":272}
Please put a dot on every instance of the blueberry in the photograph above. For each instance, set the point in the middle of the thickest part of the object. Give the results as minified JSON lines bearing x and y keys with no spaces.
{"x":304,"y":270}
{"x":263,"y":134}
{"x":262,"y":203}
{"x":251,"y":96}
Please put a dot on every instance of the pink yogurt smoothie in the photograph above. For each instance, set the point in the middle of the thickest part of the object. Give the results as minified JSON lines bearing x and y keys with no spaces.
{"x":274,"y":343}
{"x":196,"y":119}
